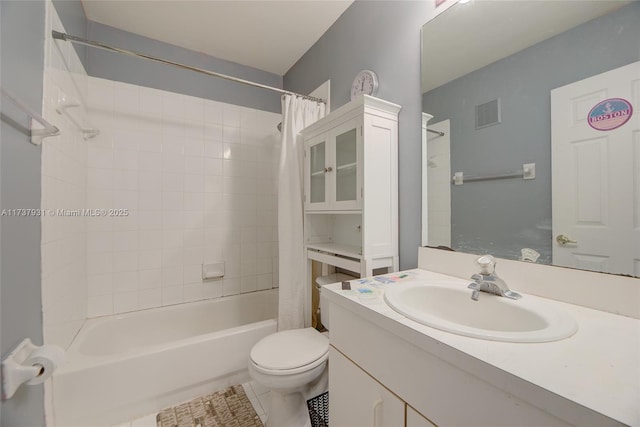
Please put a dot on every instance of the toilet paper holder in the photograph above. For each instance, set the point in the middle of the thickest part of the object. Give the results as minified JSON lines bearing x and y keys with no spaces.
{"x":20,"y":366}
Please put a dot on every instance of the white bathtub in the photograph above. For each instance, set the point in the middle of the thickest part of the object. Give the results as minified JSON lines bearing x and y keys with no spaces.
{"x":125,"y":366}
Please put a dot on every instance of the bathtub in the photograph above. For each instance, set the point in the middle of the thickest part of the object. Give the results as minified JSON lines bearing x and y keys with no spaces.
{"x":126,"y":366}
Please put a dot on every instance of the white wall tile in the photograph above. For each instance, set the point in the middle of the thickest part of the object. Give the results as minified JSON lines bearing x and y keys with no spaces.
{"x":150,"y":181}
{"x":149,"y":259}
{"x":125,"y":261}
{"x":150,"y":220}
{"x":100,"y":305}
{"x":213,"y":112}
{"x":148,"y":279}
{"x":197,"y":177}
{"x":125,"y":302}
{"x":214,"y":149}
{"x":126,"y":281}
{"x":149,"y":298}
{"x":125,"y":159}
{"x":149,"y":161}
{"x":149,"y":201}
{"x":172,"y":295}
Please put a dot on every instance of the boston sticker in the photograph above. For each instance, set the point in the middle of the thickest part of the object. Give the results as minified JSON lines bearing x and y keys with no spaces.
{"x":610,"y":114}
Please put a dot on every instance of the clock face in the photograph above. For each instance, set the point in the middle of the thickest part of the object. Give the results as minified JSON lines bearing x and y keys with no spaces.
{"x":366,"y":82}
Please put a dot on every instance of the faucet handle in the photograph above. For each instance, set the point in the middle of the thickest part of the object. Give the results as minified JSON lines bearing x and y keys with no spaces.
{"x":487,"y":264}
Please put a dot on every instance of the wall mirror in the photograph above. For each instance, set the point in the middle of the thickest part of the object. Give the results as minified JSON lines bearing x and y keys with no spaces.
{"x":534,"y":107}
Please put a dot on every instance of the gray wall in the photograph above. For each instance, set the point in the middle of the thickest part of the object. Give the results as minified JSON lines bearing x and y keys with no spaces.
{"x":501,"y":217}
{"x":21,"y":72}
{"x":74,"y":20}
{"x":138,"y":71}
{"x":99,"y":63}
{"x":383,"y":36}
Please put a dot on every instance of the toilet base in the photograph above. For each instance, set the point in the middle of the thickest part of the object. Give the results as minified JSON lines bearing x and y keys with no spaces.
{"x":288,"y":408}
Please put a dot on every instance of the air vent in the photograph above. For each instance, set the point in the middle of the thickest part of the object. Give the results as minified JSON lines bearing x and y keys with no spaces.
{"x":488,"y":114}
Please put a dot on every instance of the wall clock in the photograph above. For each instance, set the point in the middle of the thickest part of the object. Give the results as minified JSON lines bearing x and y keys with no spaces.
{"x":366,"y":82}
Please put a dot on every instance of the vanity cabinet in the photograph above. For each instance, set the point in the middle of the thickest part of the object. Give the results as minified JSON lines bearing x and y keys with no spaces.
{"x":351,"y":187}
{"x":434,"y":390}
{"x":363,"y":401}
{"x":415,"y":419}
{"x":366,"y":401}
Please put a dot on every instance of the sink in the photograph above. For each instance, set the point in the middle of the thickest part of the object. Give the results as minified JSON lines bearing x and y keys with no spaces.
{"x":449,"y":307}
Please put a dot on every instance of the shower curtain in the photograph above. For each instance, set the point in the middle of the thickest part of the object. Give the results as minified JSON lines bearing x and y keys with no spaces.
{"x":297,"y":113}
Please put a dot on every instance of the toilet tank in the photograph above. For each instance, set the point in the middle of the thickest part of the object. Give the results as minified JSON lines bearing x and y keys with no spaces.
{"x":323,"y":281}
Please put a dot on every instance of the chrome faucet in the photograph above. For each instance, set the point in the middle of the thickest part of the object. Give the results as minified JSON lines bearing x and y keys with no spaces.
{"x":488,"y":281}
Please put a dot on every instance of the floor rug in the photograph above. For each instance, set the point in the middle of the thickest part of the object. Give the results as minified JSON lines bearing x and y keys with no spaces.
{"x":225,"y":408}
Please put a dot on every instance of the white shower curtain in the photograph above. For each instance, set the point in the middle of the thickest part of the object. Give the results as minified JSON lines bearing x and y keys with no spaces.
{"x":297,"y":113}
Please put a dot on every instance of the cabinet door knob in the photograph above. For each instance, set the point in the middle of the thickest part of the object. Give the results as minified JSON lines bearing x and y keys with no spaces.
{"x":328,"y":169}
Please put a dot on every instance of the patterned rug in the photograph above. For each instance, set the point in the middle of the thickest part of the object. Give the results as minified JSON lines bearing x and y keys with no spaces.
{"x":224,"y":408}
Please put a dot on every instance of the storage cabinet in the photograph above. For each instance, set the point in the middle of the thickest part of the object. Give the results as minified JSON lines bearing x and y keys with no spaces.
{"x":332,"y":177}
{"x":351,"y":187}
{"x":415,"y":419}
{"x":363,"y":401}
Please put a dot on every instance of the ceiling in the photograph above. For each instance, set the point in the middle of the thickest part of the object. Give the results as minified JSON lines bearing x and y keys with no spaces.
{"x":469,"y":36}
{"x":264,"y":34}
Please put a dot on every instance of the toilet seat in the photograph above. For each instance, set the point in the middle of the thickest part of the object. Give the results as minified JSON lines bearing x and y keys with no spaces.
{"x":290,"y":352}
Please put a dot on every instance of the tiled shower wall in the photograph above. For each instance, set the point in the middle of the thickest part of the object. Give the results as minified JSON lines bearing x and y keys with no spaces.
{"x":64,"y":184}
{"x":195,"y":182}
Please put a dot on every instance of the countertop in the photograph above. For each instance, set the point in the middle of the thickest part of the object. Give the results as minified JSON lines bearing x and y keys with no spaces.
{"x":598,"y":367}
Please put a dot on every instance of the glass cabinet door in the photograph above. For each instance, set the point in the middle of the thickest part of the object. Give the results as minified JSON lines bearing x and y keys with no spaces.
{"x":346,"y":166}
{"x":317,"y":160}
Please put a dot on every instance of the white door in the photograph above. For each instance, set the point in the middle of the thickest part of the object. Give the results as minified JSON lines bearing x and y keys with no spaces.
{"x":595,"y":134}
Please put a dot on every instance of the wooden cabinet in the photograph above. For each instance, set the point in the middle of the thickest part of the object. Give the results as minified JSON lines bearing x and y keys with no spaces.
{"x":357,"y":400}
{"x":351,"y":187}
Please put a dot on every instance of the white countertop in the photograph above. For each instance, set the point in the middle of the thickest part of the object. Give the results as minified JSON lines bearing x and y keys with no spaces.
{"x":598,"y":367}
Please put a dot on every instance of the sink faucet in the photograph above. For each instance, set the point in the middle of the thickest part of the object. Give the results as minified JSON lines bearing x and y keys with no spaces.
{"x":488,"y":281}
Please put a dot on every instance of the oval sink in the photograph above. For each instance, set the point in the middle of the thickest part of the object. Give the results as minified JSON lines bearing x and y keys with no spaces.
{"x":450,"y":308}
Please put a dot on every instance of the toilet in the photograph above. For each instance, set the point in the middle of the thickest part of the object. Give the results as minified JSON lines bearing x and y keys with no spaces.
{"x":293,"y":365}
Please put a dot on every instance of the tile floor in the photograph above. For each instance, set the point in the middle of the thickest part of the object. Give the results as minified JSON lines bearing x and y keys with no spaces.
{"x":257,"y":394}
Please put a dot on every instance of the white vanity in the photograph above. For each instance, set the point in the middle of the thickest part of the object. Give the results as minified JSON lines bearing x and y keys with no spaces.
{"x":388,"y":370}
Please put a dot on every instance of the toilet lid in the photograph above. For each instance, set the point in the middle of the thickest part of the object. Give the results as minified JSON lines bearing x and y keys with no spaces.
{"x":290,"y":349}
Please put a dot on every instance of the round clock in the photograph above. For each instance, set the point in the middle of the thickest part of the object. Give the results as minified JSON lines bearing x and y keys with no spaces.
{"x":366,"y":82}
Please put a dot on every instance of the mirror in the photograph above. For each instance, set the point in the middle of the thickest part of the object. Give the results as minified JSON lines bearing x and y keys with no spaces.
{"x":519,"y":100}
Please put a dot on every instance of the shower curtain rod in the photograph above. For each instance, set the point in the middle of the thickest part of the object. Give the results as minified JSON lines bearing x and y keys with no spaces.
{"x":73,"y":39}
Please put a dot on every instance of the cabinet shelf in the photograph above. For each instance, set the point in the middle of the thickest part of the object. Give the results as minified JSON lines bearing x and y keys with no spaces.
{"x":347,"y":166}
{"x":354,"y":252}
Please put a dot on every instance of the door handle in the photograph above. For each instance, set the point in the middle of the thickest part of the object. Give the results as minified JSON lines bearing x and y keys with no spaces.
{"x":563,"y":240}
{"x":328,"y":169}
{"x":377,"y":406}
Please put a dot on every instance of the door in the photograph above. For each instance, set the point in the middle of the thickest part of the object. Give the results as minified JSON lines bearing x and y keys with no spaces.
{"x":346,"y":176}
{"x":316,"y":151}
{"x":333,"y":176}
{"x":595,"y":134}
{"x":416,"y":419}
{"x":357,"y":400}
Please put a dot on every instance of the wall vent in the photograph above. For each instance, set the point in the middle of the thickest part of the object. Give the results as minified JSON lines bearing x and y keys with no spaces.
{"x":488,"y":114}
